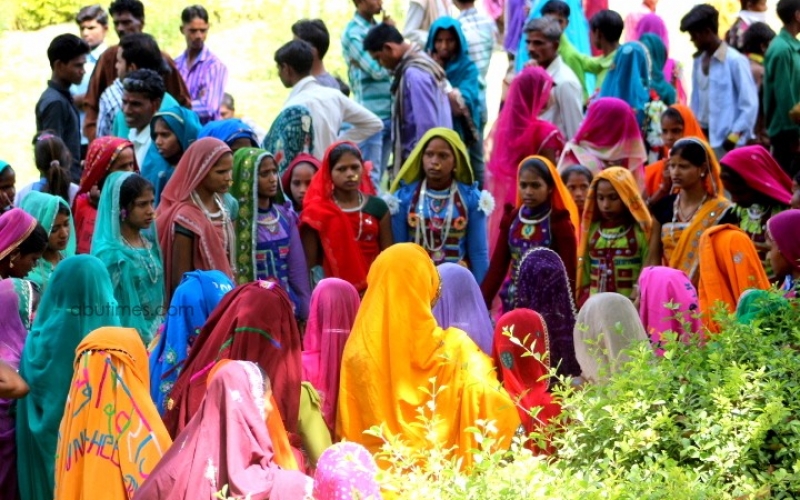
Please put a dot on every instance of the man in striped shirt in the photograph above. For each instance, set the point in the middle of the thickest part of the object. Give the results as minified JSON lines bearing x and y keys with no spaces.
{"x":204,"y":74}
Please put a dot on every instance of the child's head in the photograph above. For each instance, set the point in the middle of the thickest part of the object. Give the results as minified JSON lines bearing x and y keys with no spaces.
{"x":689,"y":164}
{"x":167,"y":143}
{"x":609,"y":204}
{"x":438,"y":163}
{"x":136,"y":202}
{"x":267,"y":177}
{"x":577,"y":178}
{"x":228,"y":107}
{"x":8,"y":181}
{"x":672,"y":127}
{"x":346,"y":166}
{"x":60,"y":230}
{"x":52,"y":158}
{"x":535,"y":183}
{"x":757,"y":38}
{"x":297,"y":178}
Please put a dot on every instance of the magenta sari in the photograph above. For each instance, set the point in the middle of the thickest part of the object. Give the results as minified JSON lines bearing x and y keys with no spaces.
{"x":668,"y":302}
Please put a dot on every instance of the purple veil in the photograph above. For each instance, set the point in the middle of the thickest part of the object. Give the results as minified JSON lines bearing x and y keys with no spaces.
{"x":461,"y":306}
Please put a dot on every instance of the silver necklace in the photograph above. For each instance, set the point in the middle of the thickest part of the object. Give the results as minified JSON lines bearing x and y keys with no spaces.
{"x":422,"y":236}
{"x":533,"y":222}
{"x":358,"y":208}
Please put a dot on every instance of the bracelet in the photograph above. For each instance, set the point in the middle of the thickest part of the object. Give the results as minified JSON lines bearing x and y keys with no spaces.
{"x":734,"y":137}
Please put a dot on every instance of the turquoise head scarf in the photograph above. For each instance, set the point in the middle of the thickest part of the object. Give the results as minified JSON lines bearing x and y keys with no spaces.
{"x":79,"y":300}
{"x":658,"y":57}
{"x":137,"y":274}
{"x":629,"y":78}
{"x":44,"y":208}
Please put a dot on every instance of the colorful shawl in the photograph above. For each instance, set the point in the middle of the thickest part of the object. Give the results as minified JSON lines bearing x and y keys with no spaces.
{"x":177,"y":207}
{"x":609,"y":135}
{"x":729,"y":265}
{"x":290,"y":135}
{"x":346,"y":471}
{"x":395,"y":322}
{"x":412,"y":170}
{"x":577,"y":31}
{"x":334,"y":305}
{"x":543,"y":286}
{"x":44,"y":208}
{"x":197,"y":295}
{"x":625,"y":186}
{"x":525,"y":376}
{"x":102,"y":153}
{"x":761,"y":172}
{"x":141,"y":300}
{"x":239,"y":329}
{"x":658,"y":57}
{"x":109,"y":403}
{"x":654,"y":173}
{"x":185,"y":124}
{"x":79,"y":300}
{"x":461,"y":306}
{"x":15,"y":227}
{"x":629,"y":78}
{"x":342,"y":256}
{"x":782,"y":229}
{"x":668,"y":303}
{"x":607,"y":325}
{"x":226,"y":444}
{"x":15,"y":295}
{"x":228,"y":131}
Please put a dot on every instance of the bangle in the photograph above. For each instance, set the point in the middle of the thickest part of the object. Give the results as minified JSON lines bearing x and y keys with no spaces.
{"x":734,"y":137}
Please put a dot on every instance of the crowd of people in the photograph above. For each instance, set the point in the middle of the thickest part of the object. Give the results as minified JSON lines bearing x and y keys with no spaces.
{"x":192,"y":304}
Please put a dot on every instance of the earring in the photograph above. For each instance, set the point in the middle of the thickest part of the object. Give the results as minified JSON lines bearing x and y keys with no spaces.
{"x":123,"y":214}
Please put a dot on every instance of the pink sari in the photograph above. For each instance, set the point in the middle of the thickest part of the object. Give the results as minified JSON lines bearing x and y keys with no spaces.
{"x":668,"y":302}
{"x":334,"y":305}
{"x":521,"y":134}
{"x":15,"y":226}
{"x":653,"y":23}
{"x":761,"y":172}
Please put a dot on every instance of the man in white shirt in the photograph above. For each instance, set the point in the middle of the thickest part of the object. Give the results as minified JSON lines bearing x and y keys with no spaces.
{"x":143,"y":91}
{"x":329,"y":108}
{"x":566,"y":112}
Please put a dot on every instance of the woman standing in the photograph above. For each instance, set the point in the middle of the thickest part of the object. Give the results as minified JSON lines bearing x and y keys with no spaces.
{"x":172,"y":131}
{"x":629,"y":78}
{"x":22,"y":242}
{"x":461,"y":306}
{"x":195,"y":231}
{"x":54,"y":215}
{"x":126,"y":245}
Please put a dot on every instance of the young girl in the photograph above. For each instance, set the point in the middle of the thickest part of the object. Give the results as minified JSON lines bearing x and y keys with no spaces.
{"x":196,"y":231}
{"x":172,"y":131}
{"x":233,"y":131}
{"x":544,"y":216}
{"x":129,"y":251}
{"x":296,"y":179}
{"x":439,"y":205}
{"x":54,"y":215}
{"x":784,"y":253}
{"x":22,"y":242}
{"x":343,"y":229}
{"x":8,"y":181}
{"x":268,"y":241}
{"x":681,"y":218}
{"x":577,"y":178}
{"x":615,"y":236}
{"x":52,"y":159}
{"x":105,"y":155}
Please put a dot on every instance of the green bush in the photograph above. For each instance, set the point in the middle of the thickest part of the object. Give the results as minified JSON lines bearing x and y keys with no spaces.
{"x":714,"y":419}
{"x":36,"y":14}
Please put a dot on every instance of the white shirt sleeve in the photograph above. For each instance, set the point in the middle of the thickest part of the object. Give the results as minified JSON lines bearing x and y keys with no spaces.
{"x":364,"y":122}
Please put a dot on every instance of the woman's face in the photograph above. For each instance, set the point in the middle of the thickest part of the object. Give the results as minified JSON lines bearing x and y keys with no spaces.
{"x":683,"y":174}
{"x":578,"y":187}
{"x":267,"y":178}
{"x":124,"y":162}
{"x":166,"y":141}
{"x":438,"y":162}
{"x":8,"y":181}
{"x":346,"y":173}
{"x":218,"y":179}
{"x":780,"y":265}
{"x":59,"y":233}
{"x":609,"y":204}
{"x":142,"y":211}
{"x":301,"y":179}
{"x":671,"y":131}
{"x":533,"y":190}
{"x":23,"y":263}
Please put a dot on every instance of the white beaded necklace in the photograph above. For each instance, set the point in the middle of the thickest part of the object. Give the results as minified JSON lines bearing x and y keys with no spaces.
{"x":421,"y":236}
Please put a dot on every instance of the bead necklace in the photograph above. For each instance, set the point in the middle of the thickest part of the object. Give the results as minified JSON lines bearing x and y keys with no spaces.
{"x":422,"y":237}
{"x":225,"y":222}
{"x":358,"y":208}
{"x":611,"y":236}
{"x":676,"y":213}
{"x":150,"y":265}
{"x":529,"y":225}
{"x":271,"y":223}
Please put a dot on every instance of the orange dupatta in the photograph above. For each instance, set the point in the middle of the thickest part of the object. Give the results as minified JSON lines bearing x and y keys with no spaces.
{"x":729,"y":265}
{"x":560,"y":199}
{"x":654,"y":173}
{"x":625,"y":185}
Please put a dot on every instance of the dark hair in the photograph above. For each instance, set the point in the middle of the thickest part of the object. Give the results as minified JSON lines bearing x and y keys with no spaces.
{"x":314,"y":32}
{"x":786,"y":10}
{"x":756,"y":36}
{"x":692,"y":151}
{"x":92,"y":13}
{"x":192,"y":12}
{"x":557,"y":7}
{"x":673,"y":114}
{"x":227,"y":101}
{"x":344,"y":148}
{"x":701,"y":17}
{"x":145,"y":81}
{"x":796,"y":177}
{"x":546,"y":26}
{"x":53,"y":160}
{"x":298,"y":55}
{"x":609,"y":23}
{"x":36,"y":242}
{"x":380,"y":35}
{"x":142,"y":50}
{"x":133,"y":7}
{"x":539,"y":169}
{"x":65,"y":48}
{"x":133,"y":187}
{"x":576,"y":170}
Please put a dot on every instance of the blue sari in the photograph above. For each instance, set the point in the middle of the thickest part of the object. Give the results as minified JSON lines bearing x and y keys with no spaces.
{"x":228,"y":131}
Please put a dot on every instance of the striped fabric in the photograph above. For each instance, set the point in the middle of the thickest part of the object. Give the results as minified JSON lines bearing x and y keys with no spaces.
{"x":206,"y":80}
{"x":369,"y":82}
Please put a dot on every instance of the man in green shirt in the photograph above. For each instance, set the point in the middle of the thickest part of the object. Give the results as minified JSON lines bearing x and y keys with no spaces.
{"x":782,"y":88}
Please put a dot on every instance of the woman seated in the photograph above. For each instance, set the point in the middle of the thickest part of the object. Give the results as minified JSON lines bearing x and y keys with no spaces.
{"x":461,"y":306}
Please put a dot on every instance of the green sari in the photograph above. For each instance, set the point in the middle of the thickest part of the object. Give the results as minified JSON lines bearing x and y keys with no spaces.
{"x":78,"y":300}
{"x":137,"y":274}
{"x":44,"y":208}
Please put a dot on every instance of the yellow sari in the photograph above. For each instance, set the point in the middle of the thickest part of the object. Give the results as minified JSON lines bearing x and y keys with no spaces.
{"x":111,"y":436}
{"x":394,"y":351}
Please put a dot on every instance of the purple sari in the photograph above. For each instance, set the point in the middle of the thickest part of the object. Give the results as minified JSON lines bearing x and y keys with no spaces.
{"x":461,"y":306}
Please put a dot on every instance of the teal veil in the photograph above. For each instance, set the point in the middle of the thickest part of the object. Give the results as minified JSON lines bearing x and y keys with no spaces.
{"x":185,"y":124}
{"x":44,"y":207}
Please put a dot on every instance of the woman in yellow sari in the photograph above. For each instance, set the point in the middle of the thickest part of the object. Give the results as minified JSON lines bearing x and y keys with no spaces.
{"x":396,"y":350}
{"x":697,"y":203}
{"x":111,"y":436}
